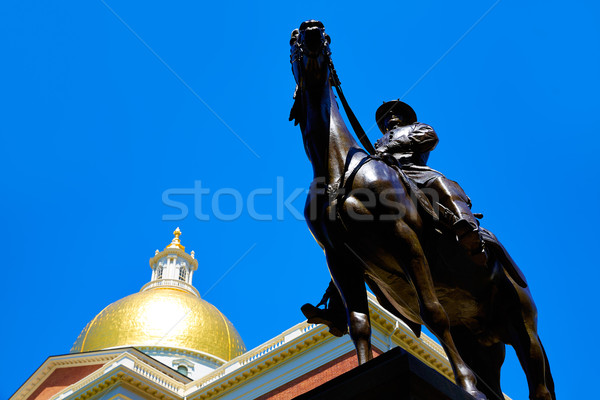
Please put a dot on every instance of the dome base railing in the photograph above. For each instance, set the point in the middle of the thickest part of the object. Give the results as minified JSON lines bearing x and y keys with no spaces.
{"x":174,"y":283}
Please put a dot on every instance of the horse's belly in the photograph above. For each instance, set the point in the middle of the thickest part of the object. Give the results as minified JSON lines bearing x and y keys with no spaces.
{"x":462,"y":308}
{"x":402,"y":295}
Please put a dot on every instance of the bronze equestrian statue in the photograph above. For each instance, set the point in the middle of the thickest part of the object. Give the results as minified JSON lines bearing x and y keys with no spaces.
{"x":354,"y":232}
{"x":360,"y":211}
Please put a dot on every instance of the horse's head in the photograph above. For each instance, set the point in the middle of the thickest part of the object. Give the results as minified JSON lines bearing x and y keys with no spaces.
{"x":310,"y":54}
{"x":310,"y":58}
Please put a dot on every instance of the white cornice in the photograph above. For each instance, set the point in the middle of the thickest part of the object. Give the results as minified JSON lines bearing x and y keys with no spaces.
{"x":199,"y":355}
{"x":290,"y":344}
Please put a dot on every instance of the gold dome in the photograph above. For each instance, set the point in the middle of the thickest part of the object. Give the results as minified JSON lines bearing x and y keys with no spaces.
{"x":165,"y":317}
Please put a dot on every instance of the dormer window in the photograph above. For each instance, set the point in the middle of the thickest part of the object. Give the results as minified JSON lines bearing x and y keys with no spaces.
{"x":182,"y":369}
{"x":183,"y":366}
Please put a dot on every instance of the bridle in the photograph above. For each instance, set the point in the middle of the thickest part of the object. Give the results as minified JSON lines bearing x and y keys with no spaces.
{"x":298,"y":52}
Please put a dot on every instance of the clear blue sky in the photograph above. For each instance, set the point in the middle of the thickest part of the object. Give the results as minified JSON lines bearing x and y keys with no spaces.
{"x":95,"y":128}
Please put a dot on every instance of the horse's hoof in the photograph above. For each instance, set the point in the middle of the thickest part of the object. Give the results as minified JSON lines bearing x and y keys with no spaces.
{"x":477,"y":395}
{"x":468,"y":386}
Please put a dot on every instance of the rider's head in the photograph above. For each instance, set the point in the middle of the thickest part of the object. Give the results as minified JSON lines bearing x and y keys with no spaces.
{"x":392,"y":114}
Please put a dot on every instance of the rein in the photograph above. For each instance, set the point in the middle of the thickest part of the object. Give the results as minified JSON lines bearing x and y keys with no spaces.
{"x":360,"y":132}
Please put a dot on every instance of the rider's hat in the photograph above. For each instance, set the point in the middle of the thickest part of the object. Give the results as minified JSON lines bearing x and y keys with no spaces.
{"x":396,"y":107}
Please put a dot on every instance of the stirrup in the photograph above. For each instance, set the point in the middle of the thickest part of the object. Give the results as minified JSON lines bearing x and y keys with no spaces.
{"x":316,"y":315}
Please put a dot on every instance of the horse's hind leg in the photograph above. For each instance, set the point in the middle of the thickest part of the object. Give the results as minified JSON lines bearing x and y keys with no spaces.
{"x":485,"y":361}
{"x":404,"y":243}
{"x":549,"y":379}
{"x":529,"y":349}
{"x":349,"y":281}
{"x":532,"y":357}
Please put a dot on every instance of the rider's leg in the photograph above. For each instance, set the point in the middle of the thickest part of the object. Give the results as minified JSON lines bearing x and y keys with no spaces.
{"x":465,"y":226}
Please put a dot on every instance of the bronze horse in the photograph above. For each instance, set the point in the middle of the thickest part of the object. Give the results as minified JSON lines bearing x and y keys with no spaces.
{"x":359,"y":211}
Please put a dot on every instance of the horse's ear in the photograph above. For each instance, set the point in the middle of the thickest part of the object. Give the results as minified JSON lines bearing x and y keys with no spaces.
{"x":295,"y":111}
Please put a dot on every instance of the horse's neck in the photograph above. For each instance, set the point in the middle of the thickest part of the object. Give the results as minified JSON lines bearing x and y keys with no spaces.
{"x":327,"y":140}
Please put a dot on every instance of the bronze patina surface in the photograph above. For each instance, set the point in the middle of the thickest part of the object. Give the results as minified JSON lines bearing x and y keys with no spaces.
{"x":435,"y":267}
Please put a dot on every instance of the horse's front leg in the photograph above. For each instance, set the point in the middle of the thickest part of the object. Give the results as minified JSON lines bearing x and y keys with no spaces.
{"x":349,"y":280}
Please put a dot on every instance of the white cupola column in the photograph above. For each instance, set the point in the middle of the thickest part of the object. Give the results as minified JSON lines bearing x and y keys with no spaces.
{"x":173,"y":267}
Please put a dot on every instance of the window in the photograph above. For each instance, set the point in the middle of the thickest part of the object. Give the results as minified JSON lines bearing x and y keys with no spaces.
{"x":183,"y":366}
{"x":182,"y":273}
{"x":159,"y":272}
{"x":182,"y":369}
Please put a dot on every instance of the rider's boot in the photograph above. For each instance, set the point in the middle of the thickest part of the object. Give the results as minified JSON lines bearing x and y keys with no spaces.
{"x":463,"y":224}
{"x":316,"y":315}
{"x":469,"y":239}
{"x":333,"y":315}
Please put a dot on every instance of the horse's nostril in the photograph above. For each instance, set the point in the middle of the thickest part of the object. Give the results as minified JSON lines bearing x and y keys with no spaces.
{"x":313,"y":37}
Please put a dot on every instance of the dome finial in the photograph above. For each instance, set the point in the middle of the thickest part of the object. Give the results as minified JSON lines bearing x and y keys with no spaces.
{"x":176,"y":243}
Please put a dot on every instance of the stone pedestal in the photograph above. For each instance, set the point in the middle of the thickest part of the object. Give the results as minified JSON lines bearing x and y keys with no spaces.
{"x":393,"y":375}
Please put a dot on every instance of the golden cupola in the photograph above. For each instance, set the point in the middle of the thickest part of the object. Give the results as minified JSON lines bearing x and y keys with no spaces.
{"x":167,"y":319}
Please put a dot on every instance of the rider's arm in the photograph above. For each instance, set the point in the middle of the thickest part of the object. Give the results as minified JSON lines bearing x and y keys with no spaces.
{"x":423,"y":138}
{"x":417,"y":138}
